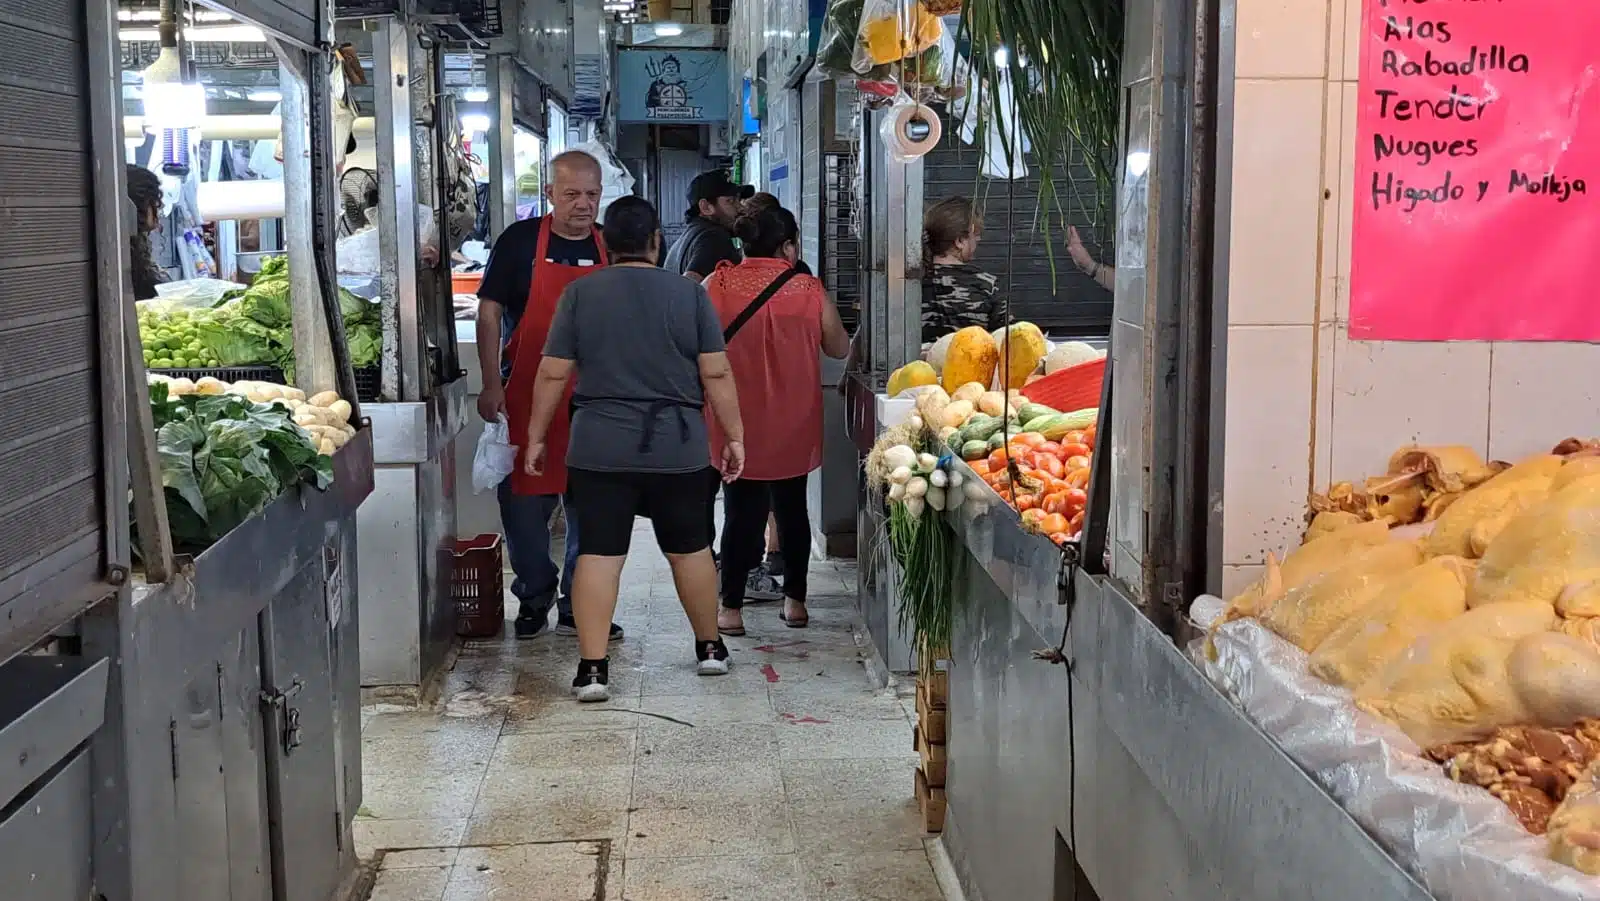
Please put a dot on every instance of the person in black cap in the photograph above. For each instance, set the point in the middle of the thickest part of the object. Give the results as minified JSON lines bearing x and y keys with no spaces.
{"x":714,"y":204}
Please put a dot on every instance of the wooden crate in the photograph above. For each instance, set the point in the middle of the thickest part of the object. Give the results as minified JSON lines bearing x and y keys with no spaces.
{"x":934,"y":758}
{"x":930,"y":800}
{"x":933,"y":689}
{"x":933,"y":721}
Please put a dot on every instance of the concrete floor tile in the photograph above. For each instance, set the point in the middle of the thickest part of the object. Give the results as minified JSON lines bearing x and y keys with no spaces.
{"x":831,"y":676}
{"x":421,"y":795}
{"x":570,"y":793}
{"x":884,"y":779}
{"x":600,"y":747}
{"x":420,"y":859}
{"x":445,"y":751}
{"x":568,"y":821}
{"x":774,"y":877}
{"x":710,"y":710}
{"x":852,"y":827}
{"x":688,"y":784}
{"x":560,"y":872}
{"x":879,"y":876}
{"x":662,"y":742}
{"x":710,"y":830}
{"x":428,"y":723}
{"x":542,"y":687}
{"x":373,"y":835}
{"x":794,"y":704}
{"x":567,"y":715}
{"x":681,"y":679}
{"x":844,"y":741}
{"x":411,"y":885}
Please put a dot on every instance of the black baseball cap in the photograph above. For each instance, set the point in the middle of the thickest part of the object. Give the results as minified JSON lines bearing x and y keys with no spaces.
{"x":715,"y":185}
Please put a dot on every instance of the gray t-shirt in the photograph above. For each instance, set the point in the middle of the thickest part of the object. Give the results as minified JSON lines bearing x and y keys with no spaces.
{"x":636,"y":335}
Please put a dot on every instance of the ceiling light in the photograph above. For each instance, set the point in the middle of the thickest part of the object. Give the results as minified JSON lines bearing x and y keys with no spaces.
{"x":205,"y":34}
{"x":170,"y":103}
{"x":669,"y":29}
{"x":475,"y":122}
{"x":475,"y":95}
{"x":266,"y":96}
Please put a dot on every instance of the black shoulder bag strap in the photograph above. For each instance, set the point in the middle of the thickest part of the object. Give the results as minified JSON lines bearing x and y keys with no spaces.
{"x":755,"y":305}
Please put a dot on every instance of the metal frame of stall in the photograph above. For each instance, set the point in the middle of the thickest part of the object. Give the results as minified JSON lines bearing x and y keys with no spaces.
{"x":408,"y":628}
{"x":1061,"y":762}
{"x":191,"y":731}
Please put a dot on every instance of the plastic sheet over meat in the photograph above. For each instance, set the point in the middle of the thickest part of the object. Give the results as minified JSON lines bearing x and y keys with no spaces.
{"x":1460,"y":841}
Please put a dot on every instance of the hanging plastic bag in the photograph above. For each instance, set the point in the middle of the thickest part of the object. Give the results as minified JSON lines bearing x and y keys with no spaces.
{"x":836,"y":49}
{"x":1004,"y":143}
{"x":615,"y":179}
{"x":891,"y":31}
{"x":496,"y":456}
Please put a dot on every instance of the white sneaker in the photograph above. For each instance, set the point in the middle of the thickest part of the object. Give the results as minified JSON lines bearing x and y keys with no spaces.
{"x":713,"y":657}
{"x":590,"y":686}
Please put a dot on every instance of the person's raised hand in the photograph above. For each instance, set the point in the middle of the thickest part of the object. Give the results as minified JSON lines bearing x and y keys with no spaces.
{"x":1076,"y":250}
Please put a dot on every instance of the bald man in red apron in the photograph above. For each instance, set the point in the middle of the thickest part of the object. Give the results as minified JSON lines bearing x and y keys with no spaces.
{"x":533,"y":262}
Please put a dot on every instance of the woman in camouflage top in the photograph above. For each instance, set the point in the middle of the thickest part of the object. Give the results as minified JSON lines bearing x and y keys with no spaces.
{"x":955,"y":293}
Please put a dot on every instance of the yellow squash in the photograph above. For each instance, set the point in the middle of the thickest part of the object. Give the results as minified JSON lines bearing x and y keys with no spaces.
{"x":1021,"y":355}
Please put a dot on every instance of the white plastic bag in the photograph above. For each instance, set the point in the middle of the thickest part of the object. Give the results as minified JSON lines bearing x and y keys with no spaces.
{"x":496,"y":457}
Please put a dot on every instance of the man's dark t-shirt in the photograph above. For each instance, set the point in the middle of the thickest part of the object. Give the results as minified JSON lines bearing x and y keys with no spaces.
{"x":509,"y":275}
{"x":700,"y":248}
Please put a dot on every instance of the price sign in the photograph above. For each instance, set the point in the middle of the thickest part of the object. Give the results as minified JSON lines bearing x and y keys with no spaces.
{"x":1477,"y":172}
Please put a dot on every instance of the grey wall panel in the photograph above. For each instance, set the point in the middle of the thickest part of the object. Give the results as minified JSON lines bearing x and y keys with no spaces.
{"x":44,"y":844}
{"x":1064,"y":299}
{"x":53,"y":530}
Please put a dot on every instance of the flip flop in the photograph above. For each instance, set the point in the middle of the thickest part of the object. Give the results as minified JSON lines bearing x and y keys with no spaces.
{"x":799,"y":622}
{"x":734,"y":632}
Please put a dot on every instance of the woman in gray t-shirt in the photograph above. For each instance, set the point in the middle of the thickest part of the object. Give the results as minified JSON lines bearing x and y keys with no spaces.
{"x":646,"y":346}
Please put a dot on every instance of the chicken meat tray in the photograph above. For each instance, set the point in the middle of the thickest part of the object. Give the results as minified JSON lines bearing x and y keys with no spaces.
{"x":1431,"y":654}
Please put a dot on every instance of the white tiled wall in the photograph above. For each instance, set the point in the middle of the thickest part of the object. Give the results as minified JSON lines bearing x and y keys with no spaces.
{"x":1305,"y":404}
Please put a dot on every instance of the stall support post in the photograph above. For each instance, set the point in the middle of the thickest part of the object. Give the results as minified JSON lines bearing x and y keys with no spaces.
{"x":501,"y":72}
{"x":397,"y":212}
{"x":895,"y":312}
{"x":313,"y":351}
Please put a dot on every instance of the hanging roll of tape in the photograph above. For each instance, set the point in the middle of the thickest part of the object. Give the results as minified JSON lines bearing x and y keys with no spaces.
{"x":910,"y":130}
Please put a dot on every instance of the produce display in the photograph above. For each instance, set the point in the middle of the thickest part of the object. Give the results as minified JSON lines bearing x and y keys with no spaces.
{"x":1459,"y":601}
{"x":227,"y":451}
{"x":249,"y":327}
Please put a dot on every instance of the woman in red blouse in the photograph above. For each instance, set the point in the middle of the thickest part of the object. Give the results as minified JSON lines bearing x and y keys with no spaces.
{"x":775,"y":321}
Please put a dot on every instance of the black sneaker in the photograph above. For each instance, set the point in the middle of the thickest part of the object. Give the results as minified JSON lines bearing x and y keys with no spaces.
{"x":761,"y":586}
{"x":531,"y":626}
{"x":774,"y":566}
{"x":566,"y":625}
{"x":713,"y":657}
{"x":591,"y":683}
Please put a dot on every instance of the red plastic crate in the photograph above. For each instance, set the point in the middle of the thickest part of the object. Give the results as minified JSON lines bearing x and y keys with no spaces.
{"x":477,"y":586}
{"x":1074,"y":388}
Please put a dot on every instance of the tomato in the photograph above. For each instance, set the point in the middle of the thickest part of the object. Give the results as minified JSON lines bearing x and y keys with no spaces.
{"x":1073,"y":437}
{"x":1054,"y":502}
{"x":1077,"y":463}
{"x":1053,"y":522}
{"x":1049,"y":447}
{"x":1030,"y":440}
{"x":1027,"y":501}
{"x":999,"y":461}
{"x":1078,"y":478}
{"x":981,"y":467}
{"x":1075,"y":449}
{"x":1076,"y":522}
{"x":1076,"y":498}
{"x":1050,"y":465}
{"x":1060,"y":538}
{"x":1089,"y":435}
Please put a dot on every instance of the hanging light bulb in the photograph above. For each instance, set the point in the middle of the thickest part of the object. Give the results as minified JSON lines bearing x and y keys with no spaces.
{"x":172,"y":104}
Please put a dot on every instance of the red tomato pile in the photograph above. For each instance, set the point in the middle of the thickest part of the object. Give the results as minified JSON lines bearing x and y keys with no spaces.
{"x":1054,"y":483}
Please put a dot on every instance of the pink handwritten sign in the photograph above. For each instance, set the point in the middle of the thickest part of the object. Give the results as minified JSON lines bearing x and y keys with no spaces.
{"x":1477,"y":182}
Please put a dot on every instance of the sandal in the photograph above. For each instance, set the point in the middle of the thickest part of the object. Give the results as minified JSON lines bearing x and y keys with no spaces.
{"x":731,"y":630}
{"x":794,"y":622}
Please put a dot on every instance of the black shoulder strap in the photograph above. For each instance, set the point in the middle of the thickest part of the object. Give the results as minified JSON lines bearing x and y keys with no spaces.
{"x":755,"y":305}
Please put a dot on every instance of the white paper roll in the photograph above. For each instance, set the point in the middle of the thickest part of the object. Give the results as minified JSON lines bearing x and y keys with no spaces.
{"x":910,"y":130}
{"x":240,"y":200}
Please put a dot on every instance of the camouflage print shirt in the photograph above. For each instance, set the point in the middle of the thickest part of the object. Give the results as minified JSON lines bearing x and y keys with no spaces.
{"x":958,"y":295}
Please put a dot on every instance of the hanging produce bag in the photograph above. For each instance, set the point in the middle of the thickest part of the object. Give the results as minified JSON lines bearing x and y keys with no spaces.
{"x":890,"y":32}
{"x":837,"y":47}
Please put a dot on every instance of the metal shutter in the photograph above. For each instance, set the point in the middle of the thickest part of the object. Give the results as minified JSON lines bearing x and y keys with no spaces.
{"x":292,"y":19}
{"x":1067,"y":301}
{"x":53,"y":536}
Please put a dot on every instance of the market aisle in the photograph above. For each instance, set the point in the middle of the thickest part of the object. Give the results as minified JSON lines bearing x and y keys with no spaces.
{"x":790,"y":778}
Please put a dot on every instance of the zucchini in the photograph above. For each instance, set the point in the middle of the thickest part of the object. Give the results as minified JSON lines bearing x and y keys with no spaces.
{"x":981,"y":429}
{"x":1040,"y":423}
{"x":1030,"y":411}
{"x":974,"y":450}
{"x":997,"y":441}
{"x":955,"y":443}
{"x":1075,"y":421}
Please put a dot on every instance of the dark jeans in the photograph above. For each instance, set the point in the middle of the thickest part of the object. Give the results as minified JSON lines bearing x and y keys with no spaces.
{"x":525,"y":518}
{"x":746,"y":504}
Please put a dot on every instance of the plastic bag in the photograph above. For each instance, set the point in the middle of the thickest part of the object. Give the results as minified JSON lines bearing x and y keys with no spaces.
{"x":191,"y":294}
{"x":890,"y":32}
{"x":615,"y":179}
{"x":496,"y":456}
{"x":836,"y":48}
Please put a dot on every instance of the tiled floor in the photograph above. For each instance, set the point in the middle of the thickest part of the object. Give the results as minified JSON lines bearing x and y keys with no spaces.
{"x":789,"y":779}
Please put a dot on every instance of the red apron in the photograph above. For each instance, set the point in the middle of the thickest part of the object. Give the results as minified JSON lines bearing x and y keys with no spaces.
{"x":524,"y":349}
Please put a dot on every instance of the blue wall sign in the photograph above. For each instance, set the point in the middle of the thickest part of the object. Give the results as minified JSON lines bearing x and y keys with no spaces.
{"x":747,"y":103}
{"x":665,"y":87}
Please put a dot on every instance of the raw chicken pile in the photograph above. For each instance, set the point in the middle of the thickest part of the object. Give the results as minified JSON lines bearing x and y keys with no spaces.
{"x":1457,"y":598}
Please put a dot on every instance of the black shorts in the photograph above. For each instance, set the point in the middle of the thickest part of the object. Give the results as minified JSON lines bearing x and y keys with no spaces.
{"x":605,"y":504}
